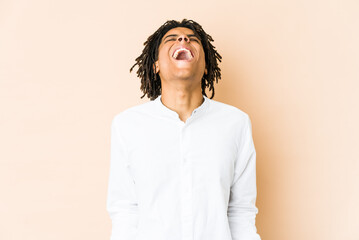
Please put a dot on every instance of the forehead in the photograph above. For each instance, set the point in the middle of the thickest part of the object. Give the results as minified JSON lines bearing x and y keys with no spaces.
{"x":179,"y":30}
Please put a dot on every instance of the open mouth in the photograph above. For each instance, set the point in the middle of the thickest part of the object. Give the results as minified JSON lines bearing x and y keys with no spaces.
{"x":183,"y":54}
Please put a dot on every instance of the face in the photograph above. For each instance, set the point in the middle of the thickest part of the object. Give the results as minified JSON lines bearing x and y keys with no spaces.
{"x":182,"y":64}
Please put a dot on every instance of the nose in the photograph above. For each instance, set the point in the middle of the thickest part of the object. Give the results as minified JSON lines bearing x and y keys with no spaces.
{"x":180,"y":38}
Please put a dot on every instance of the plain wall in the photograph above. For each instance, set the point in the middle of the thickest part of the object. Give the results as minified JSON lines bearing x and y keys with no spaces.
{"x":64,"y":73}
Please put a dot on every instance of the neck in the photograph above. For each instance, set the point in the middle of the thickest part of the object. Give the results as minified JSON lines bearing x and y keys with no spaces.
{"x":182,"y":100}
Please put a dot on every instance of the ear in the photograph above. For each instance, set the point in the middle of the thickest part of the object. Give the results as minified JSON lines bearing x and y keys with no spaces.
{"x":157,"y":67}
{"x":205,"y":71}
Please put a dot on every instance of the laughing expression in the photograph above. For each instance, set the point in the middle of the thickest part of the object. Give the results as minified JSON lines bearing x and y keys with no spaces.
{"x":181,"y":56}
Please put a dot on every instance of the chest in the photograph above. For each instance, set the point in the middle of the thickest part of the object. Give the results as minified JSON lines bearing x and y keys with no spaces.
{"x":164,"y":152}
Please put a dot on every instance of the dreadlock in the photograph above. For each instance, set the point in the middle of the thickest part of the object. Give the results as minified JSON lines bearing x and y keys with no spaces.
{"x":151,"y":83}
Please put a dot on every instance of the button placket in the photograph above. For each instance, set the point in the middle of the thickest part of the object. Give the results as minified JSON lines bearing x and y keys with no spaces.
{"x":186,"y":186}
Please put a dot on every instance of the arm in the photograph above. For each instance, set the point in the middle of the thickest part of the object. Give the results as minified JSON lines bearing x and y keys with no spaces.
{"x":241,"y":209}
{"x":121,"y":198}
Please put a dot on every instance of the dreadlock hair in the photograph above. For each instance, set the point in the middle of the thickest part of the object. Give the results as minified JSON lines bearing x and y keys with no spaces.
{"x":151,"y":82}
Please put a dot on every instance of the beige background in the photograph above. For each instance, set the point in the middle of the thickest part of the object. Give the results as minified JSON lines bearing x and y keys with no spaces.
{"x":64,"y":73}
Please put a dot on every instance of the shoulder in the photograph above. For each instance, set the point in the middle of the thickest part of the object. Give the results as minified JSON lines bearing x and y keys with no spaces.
{"x":133,"y":113}
{"x":229,"y":112}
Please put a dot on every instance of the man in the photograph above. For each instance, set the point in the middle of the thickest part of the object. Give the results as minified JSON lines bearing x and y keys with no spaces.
{"x":183,"y":166}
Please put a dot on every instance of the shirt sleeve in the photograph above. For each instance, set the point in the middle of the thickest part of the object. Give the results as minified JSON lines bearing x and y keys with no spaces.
{"x":121,"y":199}
{"x":241,"y":208}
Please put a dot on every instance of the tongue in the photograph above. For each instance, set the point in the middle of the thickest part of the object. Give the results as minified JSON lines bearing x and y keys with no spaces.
{"x":182,"y":56}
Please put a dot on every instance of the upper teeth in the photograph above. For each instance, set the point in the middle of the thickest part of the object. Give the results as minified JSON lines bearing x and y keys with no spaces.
{"x":182,"y":49}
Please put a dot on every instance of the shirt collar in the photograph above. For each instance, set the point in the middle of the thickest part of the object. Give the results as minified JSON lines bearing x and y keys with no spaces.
{"x":173,"y":114}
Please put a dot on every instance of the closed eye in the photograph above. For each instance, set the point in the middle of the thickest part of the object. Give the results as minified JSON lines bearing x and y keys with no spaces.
{"x":171,"y":39}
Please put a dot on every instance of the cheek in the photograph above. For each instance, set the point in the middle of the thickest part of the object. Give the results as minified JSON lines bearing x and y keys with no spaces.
{"x":202,"y":54}
{"x":203,"y":58}
{"x":163,"y":56}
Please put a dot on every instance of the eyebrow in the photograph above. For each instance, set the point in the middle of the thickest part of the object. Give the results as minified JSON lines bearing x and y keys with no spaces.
{"x":175,"y":35}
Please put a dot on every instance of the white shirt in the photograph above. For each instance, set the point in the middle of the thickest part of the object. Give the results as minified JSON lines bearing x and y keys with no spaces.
{"x":175,"y":180}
